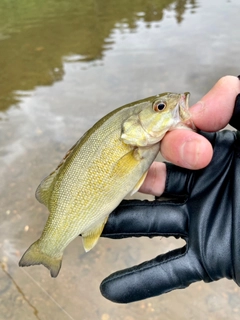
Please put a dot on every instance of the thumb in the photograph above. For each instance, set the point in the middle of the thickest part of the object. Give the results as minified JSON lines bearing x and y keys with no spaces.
{"x":173,"y":270}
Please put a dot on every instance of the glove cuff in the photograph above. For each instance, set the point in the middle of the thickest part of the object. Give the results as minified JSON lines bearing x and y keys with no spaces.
{"x":236,"y":211}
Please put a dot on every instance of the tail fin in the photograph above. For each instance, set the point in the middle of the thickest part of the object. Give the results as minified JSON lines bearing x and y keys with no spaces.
{"x":34,"y":256}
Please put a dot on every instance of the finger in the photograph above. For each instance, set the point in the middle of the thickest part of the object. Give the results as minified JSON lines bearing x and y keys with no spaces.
{"x":146,"y":218}
{"x":187,"y":149}
{"x":212,"y":113}
{"x":215,"y":109}
{"x":174,"y":270}
{"x":183,"y":181}
{"x":154,"y":182}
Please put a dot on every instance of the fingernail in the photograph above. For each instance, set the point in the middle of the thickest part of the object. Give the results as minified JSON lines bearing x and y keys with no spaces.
{"x":190,"y":153}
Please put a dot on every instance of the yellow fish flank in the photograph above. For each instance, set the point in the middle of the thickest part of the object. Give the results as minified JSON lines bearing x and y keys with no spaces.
{"x":110,"y":161}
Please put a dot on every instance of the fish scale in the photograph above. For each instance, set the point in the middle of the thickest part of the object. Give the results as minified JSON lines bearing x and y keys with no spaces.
{"x":109,"y":161}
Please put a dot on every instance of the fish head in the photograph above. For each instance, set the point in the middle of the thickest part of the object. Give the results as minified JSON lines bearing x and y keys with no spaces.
{"x":160,"y":114}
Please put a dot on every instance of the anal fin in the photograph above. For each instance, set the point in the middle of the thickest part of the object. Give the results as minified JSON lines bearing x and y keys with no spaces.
{"x":90,"y":238}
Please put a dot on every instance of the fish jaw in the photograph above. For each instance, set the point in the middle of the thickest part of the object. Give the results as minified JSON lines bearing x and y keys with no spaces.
{"x":183,"y":115}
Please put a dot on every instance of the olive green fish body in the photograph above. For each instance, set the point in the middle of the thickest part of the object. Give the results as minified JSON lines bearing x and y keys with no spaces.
{"x":108,"y":162}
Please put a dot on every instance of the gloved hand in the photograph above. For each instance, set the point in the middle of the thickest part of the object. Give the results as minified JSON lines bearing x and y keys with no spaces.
{"x":206,"y":215}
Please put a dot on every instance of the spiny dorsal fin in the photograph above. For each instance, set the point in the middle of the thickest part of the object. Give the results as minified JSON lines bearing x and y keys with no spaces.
{"x":43,"y":191}
{"x":91,"y":237}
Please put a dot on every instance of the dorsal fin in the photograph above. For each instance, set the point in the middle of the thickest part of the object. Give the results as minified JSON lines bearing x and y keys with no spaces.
{"x":43,"y":191}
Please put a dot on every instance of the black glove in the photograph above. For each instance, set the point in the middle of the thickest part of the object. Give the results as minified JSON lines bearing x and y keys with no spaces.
{"x":206,"y":215}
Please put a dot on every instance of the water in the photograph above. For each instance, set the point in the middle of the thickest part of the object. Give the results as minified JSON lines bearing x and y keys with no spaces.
{"x":64,"y":64}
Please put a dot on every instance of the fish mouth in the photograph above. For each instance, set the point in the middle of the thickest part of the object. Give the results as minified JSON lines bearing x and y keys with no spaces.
{"x":183,"y":107}
{"x":185,"y":99}
{"x":184,"y":111}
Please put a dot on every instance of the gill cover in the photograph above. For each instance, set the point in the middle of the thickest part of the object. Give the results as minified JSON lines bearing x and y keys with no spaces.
{"x":150,"y":124}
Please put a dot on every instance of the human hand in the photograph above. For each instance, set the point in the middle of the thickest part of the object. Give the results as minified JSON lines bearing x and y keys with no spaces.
{"x":206,"y":213}
{"x":189,"y":149}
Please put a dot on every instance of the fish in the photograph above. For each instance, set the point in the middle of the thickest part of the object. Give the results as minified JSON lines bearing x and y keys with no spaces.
{"x":108,"y":162}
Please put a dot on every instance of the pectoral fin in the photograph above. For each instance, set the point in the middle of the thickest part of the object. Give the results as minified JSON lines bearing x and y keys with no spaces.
{"x":138,"y":185}
{"x":91,"y":237}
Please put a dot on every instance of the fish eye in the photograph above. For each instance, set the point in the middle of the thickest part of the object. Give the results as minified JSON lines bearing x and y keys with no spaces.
{"x":159,"y":106}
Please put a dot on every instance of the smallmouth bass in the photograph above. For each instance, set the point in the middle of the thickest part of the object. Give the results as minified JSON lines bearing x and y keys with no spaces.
{"x":110,"y":161}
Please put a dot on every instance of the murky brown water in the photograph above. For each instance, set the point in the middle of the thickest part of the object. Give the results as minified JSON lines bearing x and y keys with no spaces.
{"x":63,"y":65}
